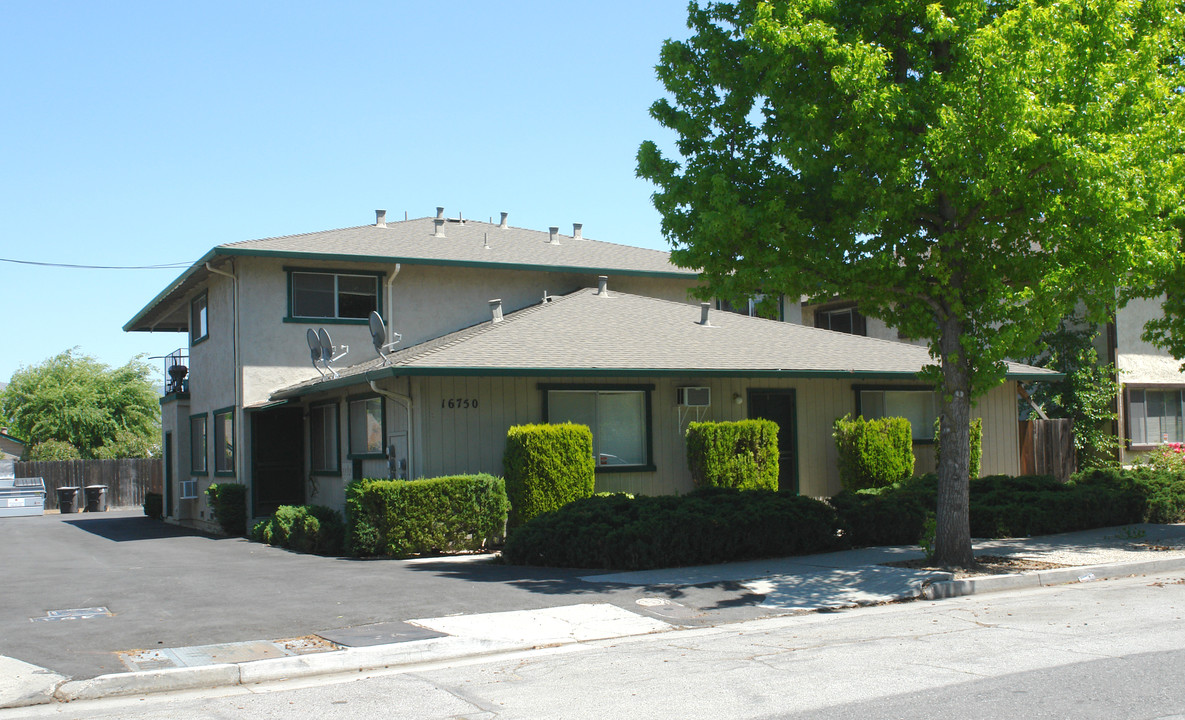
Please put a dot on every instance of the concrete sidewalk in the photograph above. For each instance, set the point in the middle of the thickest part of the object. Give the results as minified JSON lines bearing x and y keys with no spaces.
{"x":615,"y":605}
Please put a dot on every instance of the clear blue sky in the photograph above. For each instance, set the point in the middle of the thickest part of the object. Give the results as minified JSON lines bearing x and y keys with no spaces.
{"x":146,"y":133}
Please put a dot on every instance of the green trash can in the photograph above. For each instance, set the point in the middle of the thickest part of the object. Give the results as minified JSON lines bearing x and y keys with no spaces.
{"x":68,"y":499}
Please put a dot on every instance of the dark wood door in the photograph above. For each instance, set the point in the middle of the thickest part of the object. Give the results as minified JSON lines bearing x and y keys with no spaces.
{"x":778,"y":405}
{"x":277,"y":459}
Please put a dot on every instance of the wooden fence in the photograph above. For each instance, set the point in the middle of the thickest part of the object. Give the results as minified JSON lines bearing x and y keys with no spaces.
{"x":127,"y":480}
{"x":1047,"y":448}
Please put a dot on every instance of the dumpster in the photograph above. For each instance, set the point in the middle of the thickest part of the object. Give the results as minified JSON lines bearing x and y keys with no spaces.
{"x":22,"y":496}
{"x":68,"y":499}
{"x":96,"y":498}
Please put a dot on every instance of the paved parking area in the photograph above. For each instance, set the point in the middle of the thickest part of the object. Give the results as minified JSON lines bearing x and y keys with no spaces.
{"x":144,"y":584}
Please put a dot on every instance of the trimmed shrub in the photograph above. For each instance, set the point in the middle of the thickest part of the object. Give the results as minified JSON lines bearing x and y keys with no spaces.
{"x":741,"y":455}
{"x":708,"y":525}
{"x":547,"y":467}
{"x":50,"y":450}
{"x":976,"y":432}
{"x":229,"y":503}
{"x":448,"y":514}
{"x":154,"y":505}
{"x":873,"y":453}
{"x":304,"y":528}
{"x":894,"y":515}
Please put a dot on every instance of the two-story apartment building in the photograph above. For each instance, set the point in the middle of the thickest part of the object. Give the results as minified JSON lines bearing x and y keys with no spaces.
{"x":496,"y":326}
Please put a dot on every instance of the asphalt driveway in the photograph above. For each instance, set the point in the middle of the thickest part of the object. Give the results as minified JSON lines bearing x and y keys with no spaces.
{"x":167,"y":587}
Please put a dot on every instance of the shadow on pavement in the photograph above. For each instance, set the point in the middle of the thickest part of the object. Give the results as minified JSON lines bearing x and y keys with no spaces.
{"x":130,"y":529}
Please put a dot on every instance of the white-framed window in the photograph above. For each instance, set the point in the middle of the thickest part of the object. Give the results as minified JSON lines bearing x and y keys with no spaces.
{"x":366,"y":427}
{"x":199,"y":319}
{"x":324,"y":435}
{"x":327,"y":295}
{"x":844,"y":319}
{"x":919,"y":406}
{"x":224,"y":442}
{"x":619,"y":417}
{"x":751,"y":307}
{"x":1154,"y":416}
{"x":197,"y":444}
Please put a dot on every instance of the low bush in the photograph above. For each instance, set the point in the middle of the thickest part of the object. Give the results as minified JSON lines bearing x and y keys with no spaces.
{"x":741,"y":455}
{"x":705,"y":526}
{"x":873,"y":453}
{"x":547,"y":467}
{"x":229,"y":503}
{"x":304,"y":528}
{"x":448,"y":514}
{"x":154,"y":505}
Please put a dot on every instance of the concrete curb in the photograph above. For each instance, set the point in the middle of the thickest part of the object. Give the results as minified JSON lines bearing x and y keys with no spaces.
{"x":151,"y":681}
{"x":1043,"y":578}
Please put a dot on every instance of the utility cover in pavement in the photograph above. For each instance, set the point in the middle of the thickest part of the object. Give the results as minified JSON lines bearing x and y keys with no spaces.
{"x":75,"y":614}
{"x":379,"y":634}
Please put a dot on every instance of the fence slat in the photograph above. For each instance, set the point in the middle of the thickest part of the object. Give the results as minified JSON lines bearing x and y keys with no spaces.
{"x":127,"y":479}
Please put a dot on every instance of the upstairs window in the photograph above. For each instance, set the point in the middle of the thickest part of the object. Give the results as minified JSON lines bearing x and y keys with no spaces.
{"x":1155,"y":416}
{"x":919,"y":407}
{"x":197,"y":444}
{"x":199,"y":325}
{"x":332,"y":296}
{"x":752,"y":307}
{"x":845,"y":320}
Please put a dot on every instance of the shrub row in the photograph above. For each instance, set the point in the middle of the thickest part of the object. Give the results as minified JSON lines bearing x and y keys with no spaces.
{"x":401,"y":517}
{"x":304,"y":528}
{"x":741,"y":455}
{"x":705,"y":526}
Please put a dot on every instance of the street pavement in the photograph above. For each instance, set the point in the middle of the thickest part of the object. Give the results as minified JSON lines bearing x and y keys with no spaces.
{"x":168,"y":609}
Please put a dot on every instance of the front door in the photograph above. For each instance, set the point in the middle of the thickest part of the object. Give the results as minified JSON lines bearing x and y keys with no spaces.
{"x":778,"y":405}
{"x":277,"y":459}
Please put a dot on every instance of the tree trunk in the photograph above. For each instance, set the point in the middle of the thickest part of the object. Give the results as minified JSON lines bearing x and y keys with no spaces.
{"x":952,"y":537}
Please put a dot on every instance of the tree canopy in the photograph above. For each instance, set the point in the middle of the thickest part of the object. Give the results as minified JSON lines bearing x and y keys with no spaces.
{"x":966,"y":170}
{"x":76,"y":400}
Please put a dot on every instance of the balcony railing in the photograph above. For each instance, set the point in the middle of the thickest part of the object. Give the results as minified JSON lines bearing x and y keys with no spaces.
{"x":177,"y":372}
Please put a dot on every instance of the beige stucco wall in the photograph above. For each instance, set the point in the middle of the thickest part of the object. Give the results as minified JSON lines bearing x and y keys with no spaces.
{"x":448,"y":441}
{"x":1140,"y":362}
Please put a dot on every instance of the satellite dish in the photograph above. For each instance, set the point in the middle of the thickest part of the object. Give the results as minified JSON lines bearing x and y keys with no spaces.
{"x":378,"y":335}
{"x":326,"y":346}
{"x":314,"y":349}
{"x":328,"y":351}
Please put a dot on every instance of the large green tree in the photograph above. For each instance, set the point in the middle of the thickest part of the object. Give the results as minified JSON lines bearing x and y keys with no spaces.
{"x":101,"y":411}
{"x":966,"y":170}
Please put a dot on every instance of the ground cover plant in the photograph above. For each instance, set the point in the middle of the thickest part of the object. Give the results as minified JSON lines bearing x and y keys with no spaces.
{"x":304,"y":528}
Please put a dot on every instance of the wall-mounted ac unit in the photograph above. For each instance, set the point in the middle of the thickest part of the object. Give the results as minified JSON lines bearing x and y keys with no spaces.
{"x":693,"y":396}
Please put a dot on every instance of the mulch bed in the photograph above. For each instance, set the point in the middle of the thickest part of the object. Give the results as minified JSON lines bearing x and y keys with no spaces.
{"x":984,"y":565}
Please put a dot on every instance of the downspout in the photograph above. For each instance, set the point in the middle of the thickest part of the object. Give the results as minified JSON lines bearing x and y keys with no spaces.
{"x":240,"y":416}
{"x":391,"y":298}
{"x":406,"y":402}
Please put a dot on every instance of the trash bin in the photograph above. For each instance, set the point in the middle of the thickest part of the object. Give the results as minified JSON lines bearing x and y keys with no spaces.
{"x":68,"y":499}
{"x":21,"y":496}
{"x":96,"y":498}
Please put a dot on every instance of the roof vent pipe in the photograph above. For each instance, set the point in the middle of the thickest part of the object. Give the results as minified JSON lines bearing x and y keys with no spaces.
{"x":555,"y":235}
{"x":603,"y":285}
{"x":704,"y":307}
{"x":439,"y":232}
{"x":496,"y":310}
{"x":380,"y":218}
{"x":577,"y":230}
{"x":503,"y":223}
{"x":439,"y":212}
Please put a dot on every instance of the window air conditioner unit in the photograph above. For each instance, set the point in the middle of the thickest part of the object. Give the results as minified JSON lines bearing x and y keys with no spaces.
{"x":693,"y":396}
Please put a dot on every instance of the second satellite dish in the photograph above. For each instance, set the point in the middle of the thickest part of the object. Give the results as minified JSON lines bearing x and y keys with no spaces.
{"x":378,"y":335}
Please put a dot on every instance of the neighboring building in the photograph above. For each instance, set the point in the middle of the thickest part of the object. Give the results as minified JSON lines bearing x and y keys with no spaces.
{"x":1151,"y":397}
{"x":244,"y":403}
{"x":10,"y":447}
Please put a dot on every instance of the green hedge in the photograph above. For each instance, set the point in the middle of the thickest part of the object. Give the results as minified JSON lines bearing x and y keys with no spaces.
{"x":399,"y":517}
{"x":304,"y":528}
{"x":741,"y":455}
{"x":154,"y":505}
{"x":976,"y":445}
{"x":873,"y":453}
{"x":547,"y":467}
{"x":229,"y":502}
{"x":709,"y":525}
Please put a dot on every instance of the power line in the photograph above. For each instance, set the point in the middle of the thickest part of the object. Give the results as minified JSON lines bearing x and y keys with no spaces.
{"x":164,"y":266}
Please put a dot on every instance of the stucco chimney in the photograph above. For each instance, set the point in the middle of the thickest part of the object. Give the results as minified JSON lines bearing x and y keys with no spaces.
{"x":439,"y":232}
{"x":577,"y":231}
{"x":555,"y":235}
{"x":503,"y":224}
{"x":496,"y":310}
{"x":603,"y":285}
{"x":704,"y":307}
{"x":380,"y":218}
